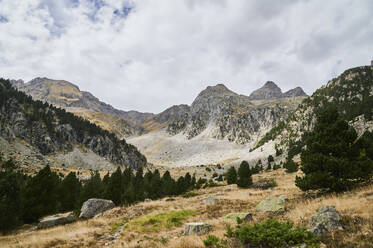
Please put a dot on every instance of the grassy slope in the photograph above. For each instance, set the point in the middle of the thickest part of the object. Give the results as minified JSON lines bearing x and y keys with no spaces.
{"x":355,"y":207}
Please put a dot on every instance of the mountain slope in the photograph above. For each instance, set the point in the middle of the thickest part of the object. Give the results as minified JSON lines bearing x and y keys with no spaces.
{"x":351,"y":93}
{"x":64,"y":94}
{"x":271,"y":91}
{"x":219,"y":126}
{"x":52,"y":131}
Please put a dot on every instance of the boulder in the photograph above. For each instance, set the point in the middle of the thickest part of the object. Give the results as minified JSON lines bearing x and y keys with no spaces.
{"x":324,"y":220}
{"x":211,"y":200}
{"x":55,"y":220}
{"x":94,"y":206}
{"x":197,"y":228}
{"x":232,"y":217}
{"x":271,"y":204}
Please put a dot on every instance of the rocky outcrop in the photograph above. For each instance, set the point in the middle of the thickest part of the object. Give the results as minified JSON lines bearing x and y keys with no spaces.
{"x":272,"y":205}
{"x":93,"y":207}
{"x":196,"y":228}
{"x":56,"y":220}
{"x":52,"y":130}
{"x":298,"y":91}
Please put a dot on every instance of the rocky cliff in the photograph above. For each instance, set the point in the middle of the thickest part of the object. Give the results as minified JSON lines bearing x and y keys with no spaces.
{"x":51,"y":130}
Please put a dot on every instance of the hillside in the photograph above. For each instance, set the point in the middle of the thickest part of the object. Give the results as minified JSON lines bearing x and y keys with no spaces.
{"x":220,"y":126}
{"x":145,"y":224}
{"x":36,"y":134}
{"x":64,"y":94}
{"x":351,"y":93}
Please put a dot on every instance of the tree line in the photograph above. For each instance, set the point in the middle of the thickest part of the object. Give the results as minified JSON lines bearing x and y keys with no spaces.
{"x":25,"y":199}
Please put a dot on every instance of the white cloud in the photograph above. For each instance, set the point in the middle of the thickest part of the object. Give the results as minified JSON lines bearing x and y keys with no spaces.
{"x":148,"y":55}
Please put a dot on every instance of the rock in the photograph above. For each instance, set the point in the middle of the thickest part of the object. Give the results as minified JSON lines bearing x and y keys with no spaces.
{"x":219,"y":193}
{"x":56,"y":220}
{"x":94,"y":206}
{"x":147,"y":200}
{"x":211,"y":200}
{"x":232,"y":217}
{"x":263,"y":184}
{"x":197,"y":228}
{"x":326,"y":219}
{"x":271,"y":204}
{"x":283,"y":197}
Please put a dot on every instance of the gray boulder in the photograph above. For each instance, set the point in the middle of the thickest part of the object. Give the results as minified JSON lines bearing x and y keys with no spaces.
{"x":326,"y":219}
{"x":197,"y":228}
{"x":211,"y":200}
{"x":271,"y":204}
{"x":94,"y":206}
{"x":56,"y":220}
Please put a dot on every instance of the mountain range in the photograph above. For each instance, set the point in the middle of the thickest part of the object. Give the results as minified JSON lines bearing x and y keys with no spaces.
{"x":181,"y":135}
{"x":220,"y":126}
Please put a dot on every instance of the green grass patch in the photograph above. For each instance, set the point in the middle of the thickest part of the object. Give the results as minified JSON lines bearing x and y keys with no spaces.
{"x":167,"y":219}
{"x":116,"y":225}
{"x":189,"y":194}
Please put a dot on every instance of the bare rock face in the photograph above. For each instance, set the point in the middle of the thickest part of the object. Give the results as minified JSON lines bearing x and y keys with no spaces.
{"x":196,"y":228}
{"x":325,"y":220}
{"x":56,"y":220}
{"x":94,"y":206}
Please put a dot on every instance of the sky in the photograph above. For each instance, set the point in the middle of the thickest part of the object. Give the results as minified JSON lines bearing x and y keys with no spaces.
{"x":148,"y":55}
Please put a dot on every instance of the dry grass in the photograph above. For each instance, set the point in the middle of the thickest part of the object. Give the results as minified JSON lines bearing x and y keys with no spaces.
{"x":355,"y":207}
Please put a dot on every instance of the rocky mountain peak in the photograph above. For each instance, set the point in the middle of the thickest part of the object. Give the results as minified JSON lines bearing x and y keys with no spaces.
{"x":268,"y":91}
{"x":217,"y":90}
{"x":298,"y":91}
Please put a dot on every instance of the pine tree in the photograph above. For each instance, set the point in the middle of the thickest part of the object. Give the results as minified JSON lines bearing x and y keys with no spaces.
{"x":113,"y":189}
{"x":10,"y":201}
{"x":244,"y":175}
{"x":290,"y":166}
{"x":69,"y":192}
{"x":231,"y":175}
{"x":333,"y":160}
{"x":41,"y":195}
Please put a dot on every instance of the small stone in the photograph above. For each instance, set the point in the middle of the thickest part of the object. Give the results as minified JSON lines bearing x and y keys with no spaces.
{"x":211,"y":200}
{"x":56,"y":220}
{"x":271,"y":204}
{"x":197,"y":228}
{"x":283,"y":197}
{"x":232,"y":217}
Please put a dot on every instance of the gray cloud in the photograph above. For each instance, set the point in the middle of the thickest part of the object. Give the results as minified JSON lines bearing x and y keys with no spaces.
{"x":148,"y":55}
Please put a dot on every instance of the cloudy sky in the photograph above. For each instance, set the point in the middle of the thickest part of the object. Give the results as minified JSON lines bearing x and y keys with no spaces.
{"x":150,"y":54}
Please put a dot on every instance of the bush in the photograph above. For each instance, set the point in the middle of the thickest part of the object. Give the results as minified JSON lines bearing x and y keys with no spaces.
{"x":208,"y":169}
{"x":272,"y":233}
{"x":290,"y":166}
{"x":212,"y":241}
{"x":276,"y":167}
